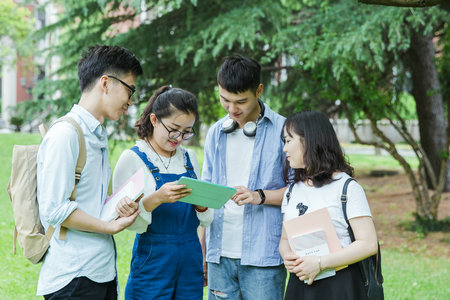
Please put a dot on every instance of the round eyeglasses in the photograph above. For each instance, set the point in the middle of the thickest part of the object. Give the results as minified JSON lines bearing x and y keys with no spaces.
{"x":174,"y":134}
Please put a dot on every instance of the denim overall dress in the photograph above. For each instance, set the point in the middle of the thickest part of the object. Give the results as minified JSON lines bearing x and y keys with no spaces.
{"x":167,"y":258}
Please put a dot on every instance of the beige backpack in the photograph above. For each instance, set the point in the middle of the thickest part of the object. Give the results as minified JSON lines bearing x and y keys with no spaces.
{"x":22,"y":191}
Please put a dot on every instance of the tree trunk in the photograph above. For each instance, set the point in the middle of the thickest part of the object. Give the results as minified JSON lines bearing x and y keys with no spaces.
{"x":428,"y":97}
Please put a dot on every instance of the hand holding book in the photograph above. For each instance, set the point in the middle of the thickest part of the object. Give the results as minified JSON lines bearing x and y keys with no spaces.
{"x":131,"y":189}
{"x":291,"y":260}
{"x":126,"y":207}
{"x":311,"y":236}
{"x":309,"y":270}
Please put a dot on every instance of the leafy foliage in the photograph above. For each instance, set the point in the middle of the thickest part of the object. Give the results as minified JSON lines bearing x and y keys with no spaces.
{"x":15,"y":26}
{"x":182,"y":43}
{"x":341,"y":57}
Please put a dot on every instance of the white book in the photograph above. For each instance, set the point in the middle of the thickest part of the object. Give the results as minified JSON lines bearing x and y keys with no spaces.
{"x":313,"y":244}
{"x":132,"y":188}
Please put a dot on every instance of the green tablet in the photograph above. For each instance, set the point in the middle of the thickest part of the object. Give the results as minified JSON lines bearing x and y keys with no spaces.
{"x":206,"y":193}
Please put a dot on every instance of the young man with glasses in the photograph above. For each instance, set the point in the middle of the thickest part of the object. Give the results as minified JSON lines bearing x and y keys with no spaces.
{"x":82,"y":264}
{"x":244,"y":150}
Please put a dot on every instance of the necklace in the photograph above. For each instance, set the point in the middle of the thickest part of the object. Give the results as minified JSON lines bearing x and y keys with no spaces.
{"x":162,"y":162}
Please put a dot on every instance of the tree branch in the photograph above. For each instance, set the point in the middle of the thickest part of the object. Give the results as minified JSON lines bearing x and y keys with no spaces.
{"x":403,"y":3}
{"x":276,"y":68}
{"x":418,"y":150}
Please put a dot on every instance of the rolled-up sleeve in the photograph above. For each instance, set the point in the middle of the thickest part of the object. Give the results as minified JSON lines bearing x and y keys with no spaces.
{"x":56,"y":161}
{"x":206,"y":217}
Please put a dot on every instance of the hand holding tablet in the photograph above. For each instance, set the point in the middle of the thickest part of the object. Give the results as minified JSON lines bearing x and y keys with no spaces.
{"x":205,"y":193}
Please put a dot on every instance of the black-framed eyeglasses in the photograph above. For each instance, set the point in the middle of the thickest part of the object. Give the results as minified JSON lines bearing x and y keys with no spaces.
{"x":132,"y":89}
{"x":174,"y":134}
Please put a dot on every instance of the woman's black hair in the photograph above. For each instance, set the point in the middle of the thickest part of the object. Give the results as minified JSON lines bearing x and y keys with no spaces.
{"x":322,"y":152}
{"x":165,"y":101}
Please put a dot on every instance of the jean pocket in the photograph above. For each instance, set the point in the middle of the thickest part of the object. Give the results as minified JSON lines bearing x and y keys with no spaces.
{"x":141,"y":256}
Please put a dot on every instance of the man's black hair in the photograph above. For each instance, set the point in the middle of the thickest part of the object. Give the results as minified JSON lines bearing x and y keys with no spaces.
{"x":239,"y":74}
{"x":105,"y":60}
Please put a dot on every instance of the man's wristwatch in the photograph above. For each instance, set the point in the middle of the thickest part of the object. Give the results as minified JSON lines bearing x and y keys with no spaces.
{"x":261,"y":194}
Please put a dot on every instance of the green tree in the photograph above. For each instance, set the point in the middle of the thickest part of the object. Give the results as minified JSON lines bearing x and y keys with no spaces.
{"x":15,"y":26}
{"x":341,"y":57}
{"x":364,"y":60}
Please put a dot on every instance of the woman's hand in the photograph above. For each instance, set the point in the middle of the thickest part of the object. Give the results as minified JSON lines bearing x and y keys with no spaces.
{"x":291,"y":260}
{"x":125,"y":207}
{"x":308,"y":268}
{"x":171,"y":192}
{"x":244,"y":196}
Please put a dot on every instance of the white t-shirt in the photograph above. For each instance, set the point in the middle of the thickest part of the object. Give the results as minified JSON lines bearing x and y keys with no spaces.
{"x":238,"y":162}
{"x":309,"y":198}
{"x":129,"y":162}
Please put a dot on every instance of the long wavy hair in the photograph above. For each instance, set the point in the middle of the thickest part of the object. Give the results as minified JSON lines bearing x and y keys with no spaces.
{"x":322,"y":152}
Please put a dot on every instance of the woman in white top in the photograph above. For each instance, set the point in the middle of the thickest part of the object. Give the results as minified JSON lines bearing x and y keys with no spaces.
{"x":167,"y":256}
{"x":315,"y":162}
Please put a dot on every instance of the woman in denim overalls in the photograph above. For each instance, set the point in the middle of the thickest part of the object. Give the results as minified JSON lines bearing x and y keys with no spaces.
{"x":167,"y":256}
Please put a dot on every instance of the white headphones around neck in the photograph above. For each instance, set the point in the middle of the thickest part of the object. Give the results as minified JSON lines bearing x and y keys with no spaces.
{"x":249,"y":128}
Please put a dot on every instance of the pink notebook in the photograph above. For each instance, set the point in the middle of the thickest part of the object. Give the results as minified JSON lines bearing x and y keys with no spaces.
{"x":132,"y":188}
{"x":311,"y":222}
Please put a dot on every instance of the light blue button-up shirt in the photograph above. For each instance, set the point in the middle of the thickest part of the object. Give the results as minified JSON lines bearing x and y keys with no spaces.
{"x":262,"y":223}
{"x":81,"y":253}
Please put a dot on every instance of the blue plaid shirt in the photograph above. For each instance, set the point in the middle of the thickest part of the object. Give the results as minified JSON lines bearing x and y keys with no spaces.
{"x":262,"y":223}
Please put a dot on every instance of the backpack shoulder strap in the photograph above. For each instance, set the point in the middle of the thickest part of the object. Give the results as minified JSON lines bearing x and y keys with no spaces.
{"x":344,"y":207}
{"x":81,"y":162}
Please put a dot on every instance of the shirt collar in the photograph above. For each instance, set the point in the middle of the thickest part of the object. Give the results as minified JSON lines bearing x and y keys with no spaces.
{"x":268,"y":113}
{"x":91,"y":122}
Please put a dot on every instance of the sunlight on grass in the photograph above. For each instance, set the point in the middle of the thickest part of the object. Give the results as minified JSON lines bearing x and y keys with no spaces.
{"x":407,"y":276}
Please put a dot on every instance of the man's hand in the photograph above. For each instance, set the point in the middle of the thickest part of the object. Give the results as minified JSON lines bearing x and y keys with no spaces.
{"x":244,"y":196}
{"x":125,"y":207}
{"x":122,"y":222}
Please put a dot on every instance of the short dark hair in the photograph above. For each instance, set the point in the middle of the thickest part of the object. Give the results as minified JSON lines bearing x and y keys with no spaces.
{"x":102,"y":59}
{"x":163,"y":103}
{"x":322,"y":152}
{"x":239,"y":74}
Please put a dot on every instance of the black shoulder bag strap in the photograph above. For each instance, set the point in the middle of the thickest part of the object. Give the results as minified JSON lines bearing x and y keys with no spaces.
{"x":288,"y":194}
{"x":370,"y":267}
{"x":344,"y":207}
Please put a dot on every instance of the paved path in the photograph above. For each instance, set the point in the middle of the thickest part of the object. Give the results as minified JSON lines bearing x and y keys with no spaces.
{"x":370,"y":150}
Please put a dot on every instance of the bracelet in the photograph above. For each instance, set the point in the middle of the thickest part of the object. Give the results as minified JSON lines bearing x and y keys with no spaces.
{"x":201,"y":210}
{"x":320,"y":267}
{"x":261,"y":194}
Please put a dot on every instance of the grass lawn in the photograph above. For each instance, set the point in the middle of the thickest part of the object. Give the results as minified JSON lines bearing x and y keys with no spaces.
{"x":407,"y":276}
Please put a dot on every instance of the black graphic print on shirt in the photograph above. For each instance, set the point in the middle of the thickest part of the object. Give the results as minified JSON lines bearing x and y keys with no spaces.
{"x":301,"y":208}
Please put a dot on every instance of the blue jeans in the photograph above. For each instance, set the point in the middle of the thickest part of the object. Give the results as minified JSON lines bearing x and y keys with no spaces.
{"x":231,"y":280}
